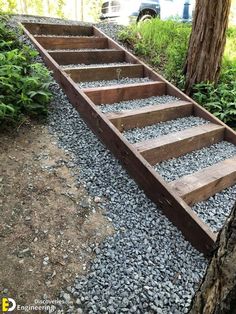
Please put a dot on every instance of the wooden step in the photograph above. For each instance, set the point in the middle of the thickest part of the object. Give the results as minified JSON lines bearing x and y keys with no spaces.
{"x":105,"y":73}
{"x":74,"y":42}
{"x":138,"y":118}
{"x":179,"y":143}
{"x":114,"y":94}
{"x":87,"y":57}
{"x":59,"y":29}
{"x":201,"y":185}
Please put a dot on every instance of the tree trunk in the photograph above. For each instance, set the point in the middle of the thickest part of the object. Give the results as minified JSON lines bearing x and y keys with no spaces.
{"x":207,"y":42}
{"x":217,"y":294}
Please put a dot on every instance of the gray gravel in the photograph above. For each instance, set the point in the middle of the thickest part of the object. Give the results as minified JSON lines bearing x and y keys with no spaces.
{"x":79,"y":50}
{"x":212,"y":212}
{"x":122,"y":81}
{"x":175,"y":168}
{"x":152,"y":131}
{"x":136,"y":103}
{"x":216,"y":209}
{"x":147,"y":266}
{"x":82,"y":65}
{"x":111,"y":30}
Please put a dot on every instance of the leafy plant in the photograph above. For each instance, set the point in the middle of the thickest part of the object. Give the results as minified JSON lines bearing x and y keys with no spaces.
{"x":24,"y":85}
{"x":219,"y":100}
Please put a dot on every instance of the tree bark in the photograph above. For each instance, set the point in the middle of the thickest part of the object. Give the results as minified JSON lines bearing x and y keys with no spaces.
{"x":217,"y":294}
{"x":207,"y":42}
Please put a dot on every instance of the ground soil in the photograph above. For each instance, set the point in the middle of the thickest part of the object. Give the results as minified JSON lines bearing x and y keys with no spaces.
{"x":47,"y":222}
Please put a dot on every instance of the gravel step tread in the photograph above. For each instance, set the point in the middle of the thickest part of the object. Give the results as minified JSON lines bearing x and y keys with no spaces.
{"x":163,"y":128}
{"x":122,"y":81}
{"x":137,"y":103}
{"x":81,"y":50}
{"x":66,"y":36}
{"x":217,"y":208}
{"x":176,"y":168}
{"x":104,"y":65}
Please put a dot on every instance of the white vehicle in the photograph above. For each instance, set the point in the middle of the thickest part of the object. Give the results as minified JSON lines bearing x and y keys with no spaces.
{"x":124,"y":12}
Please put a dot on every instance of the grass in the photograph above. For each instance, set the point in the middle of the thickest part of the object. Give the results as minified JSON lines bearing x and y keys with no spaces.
{"x":164,"y":45}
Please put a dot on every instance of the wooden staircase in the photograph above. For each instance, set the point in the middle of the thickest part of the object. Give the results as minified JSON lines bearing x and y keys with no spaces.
{"x":63,"y":45}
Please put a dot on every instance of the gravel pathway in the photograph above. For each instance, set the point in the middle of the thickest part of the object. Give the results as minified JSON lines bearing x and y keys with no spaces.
{"x":217,"y":208}
{"x":147,"y":266}
{"x":152,"y":131}
{"x":137,"y":103}
{"x":122,"y":81}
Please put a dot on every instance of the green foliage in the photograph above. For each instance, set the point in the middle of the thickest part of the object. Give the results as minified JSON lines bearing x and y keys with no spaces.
{"x":23,"y":83}
{"x":164,"y":44}
{"x":219,"y":99}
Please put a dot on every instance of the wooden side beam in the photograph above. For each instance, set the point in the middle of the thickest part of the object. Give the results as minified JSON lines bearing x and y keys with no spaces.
{"x":105,"y":73}
{"x":201,"y":185}
{"x":59,"y":29}
{"x":74,"y":42}
{"x":179,"y":143}
{"x":113,"y":94}
{"x":138,"y":118}
{"x":87,"y":57}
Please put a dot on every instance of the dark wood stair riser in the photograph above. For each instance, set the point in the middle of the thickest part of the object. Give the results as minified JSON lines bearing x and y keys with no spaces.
{"x":203,"y":184}
{"x":180,"y":143}
{"x":72,"y":42}
{"x":105,"y":73}
{"x":138,"y":118}
{"x":118,"y":93}
{"x":87,"y":57}
{"x":59,"y":29}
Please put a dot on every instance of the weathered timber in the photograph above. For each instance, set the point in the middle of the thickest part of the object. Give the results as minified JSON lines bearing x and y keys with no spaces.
{"x":179,"y":143}
{"x":105,"y":73}
{"x":113,"y":94}
{"x":87,"y":57}
{"x":61,"y":30}
{"x":75,"y":42}
{"x":138,"y":118}
{"x":206,"y":182}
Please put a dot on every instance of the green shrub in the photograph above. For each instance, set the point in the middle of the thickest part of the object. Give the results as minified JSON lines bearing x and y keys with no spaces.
{"x":219,"y":99}
{"x":24,"y":84}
